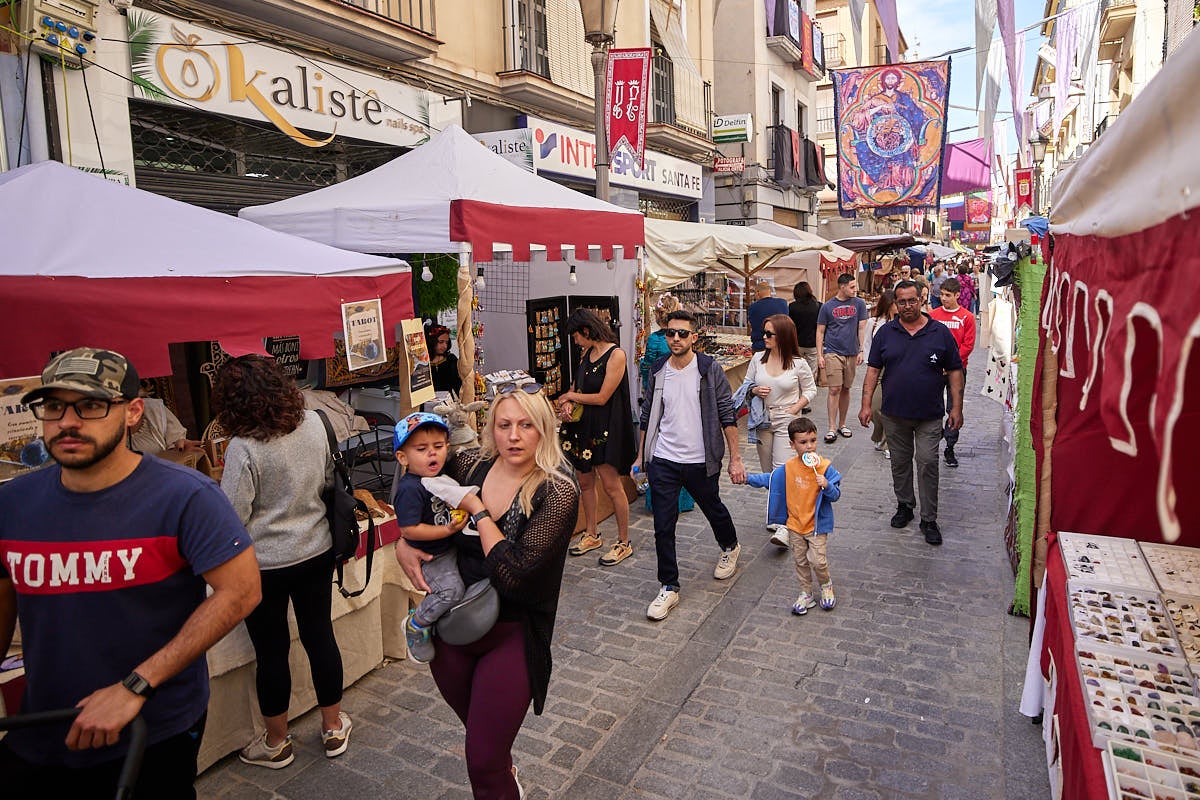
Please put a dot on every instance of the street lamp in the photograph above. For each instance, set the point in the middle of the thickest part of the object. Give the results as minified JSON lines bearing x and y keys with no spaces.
{"x":1038,"y":143}
{"x":599,"y":25}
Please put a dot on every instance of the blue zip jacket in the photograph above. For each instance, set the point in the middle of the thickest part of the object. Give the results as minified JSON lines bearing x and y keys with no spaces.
{"x":777,"y":512}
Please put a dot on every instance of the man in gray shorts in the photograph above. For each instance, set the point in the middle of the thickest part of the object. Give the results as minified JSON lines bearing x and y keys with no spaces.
{"x":841,"y":324}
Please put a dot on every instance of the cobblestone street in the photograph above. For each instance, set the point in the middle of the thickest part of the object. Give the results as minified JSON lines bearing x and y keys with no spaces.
{"x":908,"y":689}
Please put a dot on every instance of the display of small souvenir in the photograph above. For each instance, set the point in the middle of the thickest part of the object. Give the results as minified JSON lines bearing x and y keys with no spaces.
{"x":1152,"y":700}
{"x":1104,"y":559}
{"x":1141,"y":772}
{"x":1177,"y":569}
{"x":1122,"y":617}
{"x":1185,"y":616}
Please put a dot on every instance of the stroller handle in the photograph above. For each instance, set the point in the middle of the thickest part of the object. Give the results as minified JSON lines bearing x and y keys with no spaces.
{"x":133,"y":759}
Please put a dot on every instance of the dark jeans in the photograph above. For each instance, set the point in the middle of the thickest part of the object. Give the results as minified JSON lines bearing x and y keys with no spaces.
{"x":308,"y":586}
{"x":487,"y":685}
{"x":168,"y":772}
{"x":666,"y":479}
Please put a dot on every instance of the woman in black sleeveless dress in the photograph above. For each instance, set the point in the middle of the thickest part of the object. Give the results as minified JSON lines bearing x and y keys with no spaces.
{"x":601,"y":442}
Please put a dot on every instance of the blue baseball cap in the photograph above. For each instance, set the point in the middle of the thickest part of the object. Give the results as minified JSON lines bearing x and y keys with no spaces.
{"x":419,"y":419}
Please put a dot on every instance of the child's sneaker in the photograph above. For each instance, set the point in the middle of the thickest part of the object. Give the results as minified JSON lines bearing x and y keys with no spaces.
{"x":420,"y":644}
{"x":779,"y":537}
{"x":828,"y":601}
{"x":803,"y":603}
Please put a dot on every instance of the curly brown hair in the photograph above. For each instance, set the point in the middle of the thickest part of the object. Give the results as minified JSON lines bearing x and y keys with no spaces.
{"x":254,"y":399}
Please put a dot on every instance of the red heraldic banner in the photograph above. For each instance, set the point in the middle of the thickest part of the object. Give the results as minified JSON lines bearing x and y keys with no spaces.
{"x":626,"y":90}
{"x":1024,"y":196}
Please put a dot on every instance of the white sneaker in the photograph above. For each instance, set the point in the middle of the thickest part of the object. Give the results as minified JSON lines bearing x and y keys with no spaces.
{"x":780,"y":537}
{"x":727,"y":563}
{"x":661,"y":606}
{"x":336,"y":742}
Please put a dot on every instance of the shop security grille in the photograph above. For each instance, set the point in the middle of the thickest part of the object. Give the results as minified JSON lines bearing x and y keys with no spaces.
{"x":169,"y":141}
{"x":661,"y":208}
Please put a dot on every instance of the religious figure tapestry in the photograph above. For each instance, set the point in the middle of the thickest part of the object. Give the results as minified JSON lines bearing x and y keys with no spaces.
{"x":891,"y":131}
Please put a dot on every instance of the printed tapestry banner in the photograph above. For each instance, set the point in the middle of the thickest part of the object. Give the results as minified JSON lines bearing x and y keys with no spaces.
{"x":891,"y":126}
{"x":625,"y":97}
{"x":1024,"y":182}
{"x":979,"y":211}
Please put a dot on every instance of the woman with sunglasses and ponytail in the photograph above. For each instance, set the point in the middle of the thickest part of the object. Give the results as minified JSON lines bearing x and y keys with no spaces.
{"x":598,"y":431}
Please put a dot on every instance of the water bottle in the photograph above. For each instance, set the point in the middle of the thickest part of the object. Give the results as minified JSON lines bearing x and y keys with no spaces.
{"x":640,"y":480}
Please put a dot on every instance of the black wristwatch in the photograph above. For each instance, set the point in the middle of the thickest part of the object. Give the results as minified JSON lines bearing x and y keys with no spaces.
{"x":480,"y":515}
{"x":138,"y":685}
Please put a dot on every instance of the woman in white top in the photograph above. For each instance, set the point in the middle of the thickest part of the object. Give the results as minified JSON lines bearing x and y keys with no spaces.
{"x":784,"y":380}
{"x":885,"y":311}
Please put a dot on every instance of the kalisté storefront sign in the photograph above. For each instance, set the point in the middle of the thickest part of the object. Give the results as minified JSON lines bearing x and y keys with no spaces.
{"x":177,"y":62}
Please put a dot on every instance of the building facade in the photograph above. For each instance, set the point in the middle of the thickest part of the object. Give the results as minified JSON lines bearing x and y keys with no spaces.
{"x":249,"y":101}
{"x":769,"y":68}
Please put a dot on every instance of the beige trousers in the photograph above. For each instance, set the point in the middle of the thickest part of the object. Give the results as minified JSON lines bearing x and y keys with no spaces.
{"x":809,"y":552}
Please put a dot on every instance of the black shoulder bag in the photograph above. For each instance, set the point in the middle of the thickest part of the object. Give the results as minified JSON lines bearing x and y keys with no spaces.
{"x":340,"y":505}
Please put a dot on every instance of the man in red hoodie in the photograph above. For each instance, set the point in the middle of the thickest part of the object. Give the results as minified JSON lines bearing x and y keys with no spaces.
{"x":962,"y":325}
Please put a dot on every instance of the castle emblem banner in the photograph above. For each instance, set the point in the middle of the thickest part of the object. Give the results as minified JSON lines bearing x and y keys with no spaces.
{"x":891,"y":132}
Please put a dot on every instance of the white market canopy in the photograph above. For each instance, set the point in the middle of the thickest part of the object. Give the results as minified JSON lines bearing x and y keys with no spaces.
{"x":449,"y":191}
{"x":99,"y":263}
{"x":810,"y":266}
{"x":675,"y":251}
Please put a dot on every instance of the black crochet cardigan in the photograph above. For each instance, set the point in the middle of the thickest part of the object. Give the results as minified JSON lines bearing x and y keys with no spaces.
{"x":527,"y":567}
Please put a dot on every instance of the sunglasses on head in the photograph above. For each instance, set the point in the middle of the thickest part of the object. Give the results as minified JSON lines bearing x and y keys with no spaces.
{"x":510,"y":386}
{"x":676,"y":333}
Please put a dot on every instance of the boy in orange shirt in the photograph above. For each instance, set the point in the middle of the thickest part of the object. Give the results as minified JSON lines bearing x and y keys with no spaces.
{"x":803,"y":490}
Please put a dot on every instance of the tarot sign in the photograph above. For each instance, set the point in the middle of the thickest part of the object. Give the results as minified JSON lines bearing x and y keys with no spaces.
{"x":891,"y":130}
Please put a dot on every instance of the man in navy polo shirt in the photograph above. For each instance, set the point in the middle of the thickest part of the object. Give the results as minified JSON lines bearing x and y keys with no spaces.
{"x":918,"y":356}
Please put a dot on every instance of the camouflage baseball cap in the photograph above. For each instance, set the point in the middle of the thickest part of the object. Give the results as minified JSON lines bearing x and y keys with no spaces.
{"x":91,"y":372}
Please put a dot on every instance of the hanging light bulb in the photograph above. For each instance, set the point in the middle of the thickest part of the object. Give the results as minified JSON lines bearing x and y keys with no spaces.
{"x":426,"y":273}
{"x":480,"y":284}
{"x":572,"y":278}
{"x":611,"y":263}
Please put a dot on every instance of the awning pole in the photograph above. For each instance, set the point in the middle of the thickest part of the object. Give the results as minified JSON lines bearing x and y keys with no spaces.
{"x":466,"y":336}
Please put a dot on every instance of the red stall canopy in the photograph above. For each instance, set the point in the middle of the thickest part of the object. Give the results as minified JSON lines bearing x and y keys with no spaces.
{"x":92,"y":262}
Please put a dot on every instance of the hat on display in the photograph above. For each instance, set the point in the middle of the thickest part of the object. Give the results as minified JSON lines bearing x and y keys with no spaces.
{"x":419,"y":419}
{"x":92,"y":372}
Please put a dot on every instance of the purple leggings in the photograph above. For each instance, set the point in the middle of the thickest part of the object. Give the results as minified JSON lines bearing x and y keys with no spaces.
{"x":487,"y":685}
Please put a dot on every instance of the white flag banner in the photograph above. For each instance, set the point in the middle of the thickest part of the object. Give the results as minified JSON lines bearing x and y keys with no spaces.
{"x":991,"y":88}
{"x":856,"y":20}
{"x":985,"y":24}
{"x":1087,"y":37}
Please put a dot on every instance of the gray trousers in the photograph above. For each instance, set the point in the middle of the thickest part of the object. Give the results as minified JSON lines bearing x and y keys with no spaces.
{"x":445,"y":587}
{"x":919,"y":439}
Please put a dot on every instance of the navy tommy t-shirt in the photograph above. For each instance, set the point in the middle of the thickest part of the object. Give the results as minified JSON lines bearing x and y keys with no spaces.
{"x":104,"y":580}
{"x":416,"y":506}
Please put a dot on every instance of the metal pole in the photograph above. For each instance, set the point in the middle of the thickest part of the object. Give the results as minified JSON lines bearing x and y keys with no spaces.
{"x":599,"y":59}
{"x":1037,"y":188}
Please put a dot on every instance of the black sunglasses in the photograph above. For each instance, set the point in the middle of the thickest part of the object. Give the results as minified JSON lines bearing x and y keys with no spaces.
{"x":768,"y":335}
{"x":676,"y":333}
{"x":510,"y":386}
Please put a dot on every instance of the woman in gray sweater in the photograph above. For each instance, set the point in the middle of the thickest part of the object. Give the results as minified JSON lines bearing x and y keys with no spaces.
{"x":276,"y":467}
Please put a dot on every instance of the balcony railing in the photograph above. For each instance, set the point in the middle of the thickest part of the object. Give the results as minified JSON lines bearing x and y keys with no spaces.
{"x":826,"y":124}
{"x":1104,"y":125}
{"x":417,"y":14}
{"x":835,"y":50}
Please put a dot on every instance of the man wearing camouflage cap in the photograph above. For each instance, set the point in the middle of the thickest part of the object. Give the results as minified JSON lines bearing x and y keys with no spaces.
{"x":104,"y":557}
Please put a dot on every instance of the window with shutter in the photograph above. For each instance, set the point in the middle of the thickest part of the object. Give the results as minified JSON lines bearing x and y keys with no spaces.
{"x":667,"y":22}
{"x":662,"y":82}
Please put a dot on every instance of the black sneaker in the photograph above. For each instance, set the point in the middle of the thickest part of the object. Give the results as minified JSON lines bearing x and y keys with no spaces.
{"x":951,"y":459}
{"x":903,"y":516}
{"x":933,"y":534}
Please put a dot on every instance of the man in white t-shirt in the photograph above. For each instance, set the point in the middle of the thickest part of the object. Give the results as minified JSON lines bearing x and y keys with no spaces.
{"x":684,"y":431}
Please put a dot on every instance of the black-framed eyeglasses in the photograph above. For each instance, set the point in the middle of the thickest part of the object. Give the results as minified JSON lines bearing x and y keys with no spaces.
{"x":87,"y":408}
{"x":676,"y":333}
{"x":511,"y":386}
{"x":768,"y":334}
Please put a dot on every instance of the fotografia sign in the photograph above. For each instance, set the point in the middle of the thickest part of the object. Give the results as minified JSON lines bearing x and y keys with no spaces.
{"x":737,"y":164}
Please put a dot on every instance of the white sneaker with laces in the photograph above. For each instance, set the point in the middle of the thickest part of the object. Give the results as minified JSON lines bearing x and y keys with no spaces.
{"x":727,"y":563}
{"x":780,"y":537}
{"x":660,"y":606}
{"x":336,"y":742}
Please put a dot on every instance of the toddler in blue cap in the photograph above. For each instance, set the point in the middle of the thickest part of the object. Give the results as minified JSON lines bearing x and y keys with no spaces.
{"x":427,"y":522}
